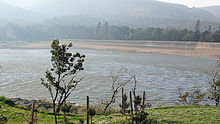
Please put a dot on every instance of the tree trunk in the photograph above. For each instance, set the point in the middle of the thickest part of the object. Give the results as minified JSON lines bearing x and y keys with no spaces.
{"x":106,"y":107}
{"x":122,"y":101}
{"x":135,"y":107}
{"x":54,"y":112}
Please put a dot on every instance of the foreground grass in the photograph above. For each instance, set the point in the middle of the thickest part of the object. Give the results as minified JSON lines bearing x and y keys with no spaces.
{"x":163,"y":115}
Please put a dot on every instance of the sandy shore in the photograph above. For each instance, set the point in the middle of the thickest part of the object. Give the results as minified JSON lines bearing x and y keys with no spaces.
{"x":200,"y":49}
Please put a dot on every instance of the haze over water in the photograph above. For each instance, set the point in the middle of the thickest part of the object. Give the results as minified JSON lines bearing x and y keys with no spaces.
{"x":160,"y":75}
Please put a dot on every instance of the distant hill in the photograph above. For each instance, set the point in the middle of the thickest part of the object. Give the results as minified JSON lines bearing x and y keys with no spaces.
{"x":122,"y":8}
{"x":134,"y":13}
{"x":15,"y":14}
{"x":215,"y":10}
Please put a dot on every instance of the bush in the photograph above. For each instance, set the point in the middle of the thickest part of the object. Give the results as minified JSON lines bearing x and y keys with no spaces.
{"x":7,"y":101}
{"x":91,"y":113}
{"x":3,"y":119}
{"x":141,"y":118}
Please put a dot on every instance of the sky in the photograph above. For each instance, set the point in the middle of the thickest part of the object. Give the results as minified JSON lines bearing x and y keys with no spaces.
{"x":195,"y":3}
{"x":28,"y":4}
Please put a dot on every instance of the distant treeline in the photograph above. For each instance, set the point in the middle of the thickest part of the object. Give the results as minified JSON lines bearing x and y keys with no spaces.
{"x":105,"y":32}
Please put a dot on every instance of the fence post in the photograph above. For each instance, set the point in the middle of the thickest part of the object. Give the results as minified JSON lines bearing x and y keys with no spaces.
{"x":131,"y":111}
{"x":87,"y":108}
{"x":122,"y":101}
{"x":143,"y":99}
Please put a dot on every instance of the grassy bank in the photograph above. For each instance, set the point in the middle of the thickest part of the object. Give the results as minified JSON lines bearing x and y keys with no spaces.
{"x":163,"y":115}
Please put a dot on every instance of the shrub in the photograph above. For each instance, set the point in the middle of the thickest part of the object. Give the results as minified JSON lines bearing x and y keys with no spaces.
{"x":91,"y":113}
{"x":7,"y":101}
{"x":3,"y":119}
{"x":141,"y":118}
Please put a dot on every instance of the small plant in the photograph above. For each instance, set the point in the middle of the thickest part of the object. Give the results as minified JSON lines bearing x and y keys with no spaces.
{"x":137,"y":102}
{"x":32,"y":119}
{"x":91,"y":113}
{"x":141,"y":118}
{"x":81,"y":121}
{"x":193,"y":97}
{"x":125,"y":104}
{"x":65,"y":109}
{"x":3,"y":119}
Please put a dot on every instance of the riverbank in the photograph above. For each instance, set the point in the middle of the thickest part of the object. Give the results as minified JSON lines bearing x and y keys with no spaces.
{"x":196,"y":49}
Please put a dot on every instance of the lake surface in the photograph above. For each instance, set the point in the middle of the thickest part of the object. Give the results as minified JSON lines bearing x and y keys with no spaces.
{"x":159,"y":75}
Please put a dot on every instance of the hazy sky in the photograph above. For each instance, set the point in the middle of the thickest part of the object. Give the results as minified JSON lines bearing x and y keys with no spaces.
{"x":190,"y":3}
{"x":195,"y":3}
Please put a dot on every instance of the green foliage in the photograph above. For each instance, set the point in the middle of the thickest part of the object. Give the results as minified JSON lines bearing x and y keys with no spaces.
{"x":141,"y":118}
{"x":66,"y":108}
{"x":214,"y":90}
{"x":111,"y":32}
{"x":3,"y":119}
{"x":91,"y":112}
{"x":137,"y":100}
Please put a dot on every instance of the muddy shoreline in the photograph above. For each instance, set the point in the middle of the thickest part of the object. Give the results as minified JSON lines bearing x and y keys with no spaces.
{"x":197,"y":49}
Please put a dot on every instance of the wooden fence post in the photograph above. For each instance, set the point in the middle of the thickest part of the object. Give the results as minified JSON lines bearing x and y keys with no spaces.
{"x":131,"y":111}
{"x":87,"y":109}
{"x":143,"y":99}
{"x":122,"y":101}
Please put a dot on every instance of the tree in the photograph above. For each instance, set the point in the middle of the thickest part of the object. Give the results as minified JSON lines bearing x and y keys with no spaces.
{"x":116,"y":86}
{"x":214,"y":91}
{"x":61,"y":78}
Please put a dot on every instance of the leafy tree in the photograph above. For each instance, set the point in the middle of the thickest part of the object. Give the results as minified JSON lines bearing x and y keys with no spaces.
{"x":214,"y":91}
{"x":61,"y":78}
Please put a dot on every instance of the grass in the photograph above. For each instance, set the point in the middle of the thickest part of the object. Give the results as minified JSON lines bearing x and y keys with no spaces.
{"x":163,"y":115}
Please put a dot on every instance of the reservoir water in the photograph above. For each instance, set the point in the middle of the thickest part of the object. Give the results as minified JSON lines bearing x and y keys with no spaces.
{"x":159,"y":75}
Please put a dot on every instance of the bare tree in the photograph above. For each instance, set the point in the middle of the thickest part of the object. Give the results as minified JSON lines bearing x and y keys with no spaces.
{"x":116,"y":87}
{"x":214,"y":90}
